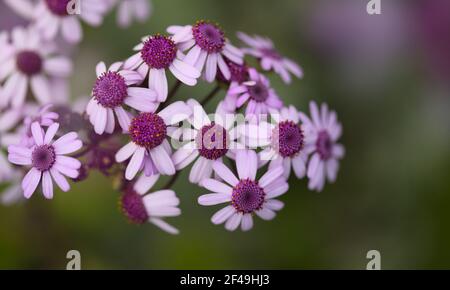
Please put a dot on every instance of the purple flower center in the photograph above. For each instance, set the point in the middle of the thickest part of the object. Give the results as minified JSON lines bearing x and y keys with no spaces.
{"x":58,"y":7}
{"x":324,"y":145}
{"x":271,"y":53}
{"x":29,"y":62}
{"x":258,"y":92}
{"x":43,"y":157}
{"x":208,"y":36}
{"x":212,"y":141}
{"x":288,"y":138}
{"x":133,"y":207}
{"x":110,"y":90}
{"x":159,"y":51}
{"x":239,"y":73}
{"x":148,"y":130}
{"x":247,"y":196}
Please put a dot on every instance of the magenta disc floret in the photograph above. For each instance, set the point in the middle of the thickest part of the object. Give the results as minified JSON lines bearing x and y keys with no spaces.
{"x":288,"y":138}
{"x":159,"y":51}
{"x":248,"y":196}
{"x":148,"y":130}
{"x":208,"y":36}
{"x":43,"y":157}
{"x":110,"y":90}
{"x":29,"y":62}
{"x":212,"y":141}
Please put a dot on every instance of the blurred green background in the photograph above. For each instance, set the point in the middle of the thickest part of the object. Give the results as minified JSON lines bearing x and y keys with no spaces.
{"x":387,"y":77}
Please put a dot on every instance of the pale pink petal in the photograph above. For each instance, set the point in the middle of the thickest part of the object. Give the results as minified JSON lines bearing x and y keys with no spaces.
{"x":47,"y":185}
{"x":225,"y":173}
{"x":211,"y":67}
{"x":266,"y":214}
{"x":30,"y":182}
{"x":214,"y":199}
{"x":38,"y":134}
{"x":233,"y":222}
{"x":247,"y":222}
{"x":216,"y":186}
{"x":135,"y":163}
{"x":162,"y":161}
{"x":60,"y":180}
{"x":222,"y":215}
{"x":125,"y":152}
{"x":164,"y":226}
{"x":51,"y":132}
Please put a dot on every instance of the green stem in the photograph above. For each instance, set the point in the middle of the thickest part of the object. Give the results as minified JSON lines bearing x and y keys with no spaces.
{"x":210,"y":96}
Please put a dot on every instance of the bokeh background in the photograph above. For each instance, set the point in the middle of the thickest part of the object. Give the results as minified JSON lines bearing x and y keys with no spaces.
{"x":388,"y":78}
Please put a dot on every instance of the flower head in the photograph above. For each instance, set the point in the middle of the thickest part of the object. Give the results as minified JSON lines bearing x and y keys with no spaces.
{"x":47,"y":160}
{"x":210,"y":139}
{"x":29,"y":62}
{"x":141,"y":206}
{"x":63,"y":16}
{"x":257,"y":93}
{"x":264,"y":49}
{"x":149,"y":149}
{"x":246,"y":195}
{"x":129,"y":10}
{"x":207,"y":48}
{"x":155,"y":55}
{"x":113,"y":90}
{"x":283,"y":141}
{"x":323,"y":131}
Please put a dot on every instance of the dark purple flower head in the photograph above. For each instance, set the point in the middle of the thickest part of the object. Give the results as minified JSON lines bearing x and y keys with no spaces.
{"x":259,"y":92}
{"x":208,"y":36}
{"x":29,"y":62}
{"x":132,"y":206}
{"x":159,"y":52}
{"x":43,"y":157}
{"x":271,"y":53}
{"x":69,"y":120}
{"x":247,"y":196}
{"x":148,"y":130}
{"x":324,"y":145}
{"x":288,"y":138}
{"x":103,"y":158}
{"x":58,"y":7}
{"x":110,"y":90}
{"x":239,"y":72}
{"x":212,"y":141}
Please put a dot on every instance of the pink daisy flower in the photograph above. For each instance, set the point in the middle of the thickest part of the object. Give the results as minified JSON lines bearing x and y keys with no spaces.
{"x":156,"y":54}
{"x":207,"y":47}
{"x":58,"y":16}
{"x":111,"y":92}
{"x":149,"y":149}
{"x":257,"y":93}
{"x":264,"y":49}
{"x":47,"y":160}
{"x":283,"y":141}
{"x":239,"y":75}
{"x":245,"y":195}
{"x":23,"y":8}
{"x":208,"y":141}
{"x":129,"y":10}
{"x":322,"y":131}
{"x":141,"y":206}
{"x":44,"y":116}
{"x":30,"y":63}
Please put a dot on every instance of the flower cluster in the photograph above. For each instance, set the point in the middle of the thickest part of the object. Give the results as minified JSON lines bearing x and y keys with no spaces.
{"x":134,"y":130}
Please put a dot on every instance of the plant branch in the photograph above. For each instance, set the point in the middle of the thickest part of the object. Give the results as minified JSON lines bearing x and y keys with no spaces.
{"x":210,"y":96}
